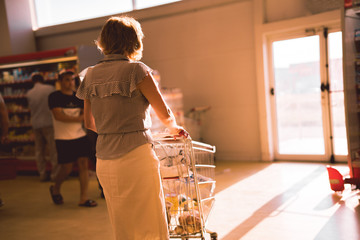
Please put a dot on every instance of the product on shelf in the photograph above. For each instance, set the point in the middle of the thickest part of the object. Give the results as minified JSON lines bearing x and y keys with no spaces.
{"x":357,"y":40}
{"x":15,"y":80}
{"x":355,"y":3}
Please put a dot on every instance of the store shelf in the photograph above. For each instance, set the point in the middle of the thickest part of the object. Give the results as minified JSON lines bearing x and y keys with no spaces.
{"x":21,"y":126}
{"x":14,"y":97}
{"x":15,"y":81}
{"x":353,"y":12}
{"x":8,"y":168}
{"x":26,"y":111}
{"x":19,"y":142}
{"x":21,"y":58}
{"x":351,"y":50}
{"x":22,"y":83}
{"x":26,"y":158}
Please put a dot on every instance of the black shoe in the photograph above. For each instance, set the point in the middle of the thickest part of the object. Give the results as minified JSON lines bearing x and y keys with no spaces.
{"x":57,"y":198}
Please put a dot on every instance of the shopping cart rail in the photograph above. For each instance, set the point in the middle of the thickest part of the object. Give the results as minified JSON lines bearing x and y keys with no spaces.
{"x":188,"y":177}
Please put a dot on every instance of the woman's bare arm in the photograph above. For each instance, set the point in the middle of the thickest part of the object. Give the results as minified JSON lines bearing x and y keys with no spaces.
{"x":152,"y":93}
{"x":61,"y":116}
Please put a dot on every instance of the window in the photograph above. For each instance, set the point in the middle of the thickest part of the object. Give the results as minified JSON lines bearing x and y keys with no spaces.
{"x":53,"y":12}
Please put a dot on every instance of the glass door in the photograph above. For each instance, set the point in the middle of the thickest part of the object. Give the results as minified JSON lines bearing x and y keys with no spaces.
{"x":308,"y":107}
{"x":336,"y":92}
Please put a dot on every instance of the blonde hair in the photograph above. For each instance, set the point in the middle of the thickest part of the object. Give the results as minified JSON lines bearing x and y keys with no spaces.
{"x":121,"y":35}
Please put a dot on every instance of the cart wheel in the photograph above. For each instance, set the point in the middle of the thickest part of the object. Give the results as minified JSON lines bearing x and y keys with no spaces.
{"x":213,"y":236}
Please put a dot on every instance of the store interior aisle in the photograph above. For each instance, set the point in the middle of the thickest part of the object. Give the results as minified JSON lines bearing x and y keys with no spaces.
{"x":29,"y":213}
{"x":269,"y":201}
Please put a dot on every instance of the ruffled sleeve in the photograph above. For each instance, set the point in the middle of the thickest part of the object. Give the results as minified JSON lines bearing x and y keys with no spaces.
{"x":117,"y":82}
{"x":82,"y":92}
{"x":139,"y":73}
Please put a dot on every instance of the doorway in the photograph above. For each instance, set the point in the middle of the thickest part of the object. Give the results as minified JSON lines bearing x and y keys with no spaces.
{"x":307,"y":96}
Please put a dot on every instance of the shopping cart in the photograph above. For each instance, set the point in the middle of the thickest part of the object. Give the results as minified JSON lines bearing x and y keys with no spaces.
{"x":188,"y":177}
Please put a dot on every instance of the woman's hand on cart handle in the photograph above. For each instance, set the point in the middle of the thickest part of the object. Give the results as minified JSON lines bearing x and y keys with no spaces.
{"x":179,"y":132}
{"x":184,"y":133}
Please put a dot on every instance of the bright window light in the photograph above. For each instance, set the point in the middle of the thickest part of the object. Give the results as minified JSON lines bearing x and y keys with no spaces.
{"x":54,"y":12}
{"x":140,"y":4}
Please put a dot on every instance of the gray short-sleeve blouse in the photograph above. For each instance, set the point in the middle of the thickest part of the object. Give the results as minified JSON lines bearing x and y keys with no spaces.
{"x":121,"y":112}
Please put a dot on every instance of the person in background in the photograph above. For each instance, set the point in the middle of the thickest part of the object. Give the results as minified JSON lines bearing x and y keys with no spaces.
{"x":93,"y":138}
{"x":72,"y":144}
{"x":4,"y":127}
{"x":42,"y":125}
{"x":4,"y":118}
{"x":117,"y":94}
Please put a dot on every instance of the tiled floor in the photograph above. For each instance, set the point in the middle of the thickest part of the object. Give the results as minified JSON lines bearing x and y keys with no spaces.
{"x":257,"y":201}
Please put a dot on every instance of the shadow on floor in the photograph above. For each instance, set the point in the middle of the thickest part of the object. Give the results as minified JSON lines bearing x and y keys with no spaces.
{"x":272,"y":205}
{"x":339,"y":226}
{"x":228,"y":173}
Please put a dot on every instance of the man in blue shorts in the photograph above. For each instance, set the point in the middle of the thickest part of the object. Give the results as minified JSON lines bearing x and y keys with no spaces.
{"x":72,"y":144}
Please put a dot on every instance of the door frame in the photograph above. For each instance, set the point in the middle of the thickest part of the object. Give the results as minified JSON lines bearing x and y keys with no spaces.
{"x":324,"y":78}
{"x":262,"y":29}
{"x":337,"y":158}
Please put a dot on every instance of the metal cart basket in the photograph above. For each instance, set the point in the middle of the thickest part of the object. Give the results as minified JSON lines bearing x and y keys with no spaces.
{"x":188,"y":178}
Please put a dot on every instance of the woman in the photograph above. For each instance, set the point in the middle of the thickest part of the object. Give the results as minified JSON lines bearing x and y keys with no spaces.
{"x":117,"y":94}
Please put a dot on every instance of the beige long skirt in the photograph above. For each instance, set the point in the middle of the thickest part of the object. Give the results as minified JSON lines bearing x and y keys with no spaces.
{"x":134,"y":195}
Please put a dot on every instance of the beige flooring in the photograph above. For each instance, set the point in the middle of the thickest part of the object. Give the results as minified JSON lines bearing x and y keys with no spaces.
{"x":257,"y":201}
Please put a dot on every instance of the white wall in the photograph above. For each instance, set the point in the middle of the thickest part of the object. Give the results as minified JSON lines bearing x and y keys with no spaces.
{"x":5,"y":43}
{"x":279,"y":10}
{"x":17,"y":36}
{"x":209,"y":54}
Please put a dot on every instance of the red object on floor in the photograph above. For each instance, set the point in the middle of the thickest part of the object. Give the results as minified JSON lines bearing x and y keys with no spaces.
{"x":336,"y":179}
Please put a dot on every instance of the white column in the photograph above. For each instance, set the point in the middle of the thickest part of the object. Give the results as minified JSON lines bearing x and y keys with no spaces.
{"x":16,"y":32}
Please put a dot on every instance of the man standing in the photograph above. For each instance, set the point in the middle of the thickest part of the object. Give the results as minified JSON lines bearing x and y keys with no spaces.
{"x":41,"y":121}
{"x":4,"y":126}
{"x":72,"y":144}
{"x":4,"y":120}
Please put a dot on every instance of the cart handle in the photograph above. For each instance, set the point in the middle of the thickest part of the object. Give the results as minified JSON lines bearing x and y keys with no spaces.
{"x":184,"y":133}
{"x":166,"y":136}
